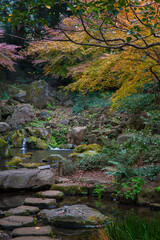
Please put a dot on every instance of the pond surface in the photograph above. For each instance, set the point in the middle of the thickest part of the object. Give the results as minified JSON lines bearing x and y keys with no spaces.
{"x":37,"y":156}
{"x":105,"y":206}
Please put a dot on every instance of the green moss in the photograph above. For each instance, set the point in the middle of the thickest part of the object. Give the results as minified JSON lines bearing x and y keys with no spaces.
{"x":15,"y":161}
{"x":37,"y":143}
{"x":31,"y":165}
{"x":69,"y":189}
{"x":90,"y":147}
{"x":3,"y":143}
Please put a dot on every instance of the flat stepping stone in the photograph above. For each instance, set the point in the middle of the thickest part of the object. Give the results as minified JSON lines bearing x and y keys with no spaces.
{"x":16,"y":221}
{"x":35,"y":238}
{"x":32,"y":231}
{"x":51,"y":194}
{"x":40,"y":202}
{"x":22,"y":210}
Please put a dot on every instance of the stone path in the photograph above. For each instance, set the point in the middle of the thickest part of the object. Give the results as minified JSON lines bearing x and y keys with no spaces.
{"x":32,"y":231}
{"x":16,"y":221}
{"x":51,"y":194}
{"x":22,"y":210}
{"x":40,"y":202}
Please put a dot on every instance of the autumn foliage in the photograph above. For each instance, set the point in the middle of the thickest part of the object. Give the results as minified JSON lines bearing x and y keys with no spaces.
{"x":8,"y":54}
{"x":103,"y":45}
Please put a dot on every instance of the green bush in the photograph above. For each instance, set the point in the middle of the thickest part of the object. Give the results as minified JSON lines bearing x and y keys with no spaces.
{"x":137,"y":103}
{"x":91,"y":100}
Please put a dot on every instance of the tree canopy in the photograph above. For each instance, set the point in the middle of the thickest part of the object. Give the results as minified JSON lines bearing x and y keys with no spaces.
{"x":101,"y":43}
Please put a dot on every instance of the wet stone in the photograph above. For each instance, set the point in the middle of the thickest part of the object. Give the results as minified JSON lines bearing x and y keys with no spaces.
{"x":73,"y":216}
{"x":51,"y":194}
{"x":34,"y":238}
{"x":22,"y":210}
{"x":32,"y":231}
{"x":16,"y":221}
{"x":4,"y":236}
{"x":155,"y":206}
{"x":40,"y":202}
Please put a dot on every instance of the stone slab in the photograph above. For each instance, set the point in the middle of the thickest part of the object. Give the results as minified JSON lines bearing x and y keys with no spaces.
{"x":40,"y":202}
{"x":51,"y":194}
{"x":22,"y":210}
{"x":32,"y":231}
{"x":24,"y":178}
{"x":35,"y":238}
{"x":16,"y":221}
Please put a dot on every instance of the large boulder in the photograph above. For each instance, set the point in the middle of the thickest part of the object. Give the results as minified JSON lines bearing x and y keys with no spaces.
{"x":6,"y":110}
{"x":19,"y":179}
{"x":22,"y":114}
{"x":4,"y":127}
{"x":20,"y":97}
{"x":149,"y":194}
{"x":73,"y":216}
{"x":38,"y":94}
{"x":76,"y":135}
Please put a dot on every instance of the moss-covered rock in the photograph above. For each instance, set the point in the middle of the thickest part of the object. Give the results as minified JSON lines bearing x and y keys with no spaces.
{"x":38,"y":93}
{"x":36,"y":143}
{"x":84,"y":147}
{"x":53,"y":157}
{"x":75,"y":156}
{"x":31,"y":165}
{"x":71,"y":189}
{"x":17,"y":139}
{"x":15,"y":161}
{"x":4,"y":149}
{"x":149,"y":194}
{"x":73,"y":216}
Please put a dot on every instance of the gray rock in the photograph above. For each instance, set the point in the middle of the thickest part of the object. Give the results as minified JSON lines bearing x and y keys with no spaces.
{"x":16,"y":221}
{"x":124,"y":138}
{"x":11,"y":201}
{"x":40,"y":202}
{"x":76,"y":135}
{"x":32,"y":231}
{"x":43,"y":115}
{"x":35,"y":238}
{"x":20,"y":97}
{"x":21,"y":115}
{"x":51,"y":194}
{"x":22,"y":210}
{"x":26,"y":178}
{"x":4,"y":127}
{"x":75,"y":216}
{"x":4,"y":236}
